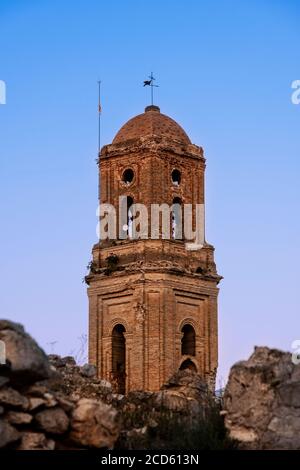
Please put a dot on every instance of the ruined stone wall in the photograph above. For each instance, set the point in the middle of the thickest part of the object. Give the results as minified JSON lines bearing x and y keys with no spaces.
{"x":49,"y":403}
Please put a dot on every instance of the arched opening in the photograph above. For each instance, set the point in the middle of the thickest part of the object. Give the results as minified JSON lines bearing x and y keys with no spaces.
{"x":188,"y":364}
{"x":188,"y":341}
{"x":199,"y":270}
{"x":176,"y":177}
{"x":177,"y":228}
{"x":128,"y":176}
{"x":119,"y":358}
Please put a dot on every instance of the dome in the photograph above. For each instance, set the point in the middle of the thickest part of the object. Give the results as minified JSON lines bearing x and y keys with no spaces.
{"x":151,"y":122}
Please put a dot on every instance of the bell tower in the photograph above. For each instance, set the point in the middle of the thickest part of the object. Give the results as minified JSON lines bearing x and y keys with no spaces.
{"x":152,"y":301}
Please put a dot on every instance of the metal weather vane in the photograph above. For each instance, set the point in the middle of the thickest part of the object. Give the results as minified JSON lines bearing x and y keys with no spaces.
{"x":151,"y":84}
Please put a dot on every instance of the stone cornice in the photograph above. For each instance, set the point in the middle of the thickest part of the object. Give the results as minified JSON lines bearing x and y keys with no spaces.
{"x":144,"y":145}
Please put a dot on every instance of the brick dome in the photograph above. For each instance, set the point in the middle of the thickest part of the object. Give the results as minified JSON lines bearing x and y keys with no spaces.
{"x":151,"y":122}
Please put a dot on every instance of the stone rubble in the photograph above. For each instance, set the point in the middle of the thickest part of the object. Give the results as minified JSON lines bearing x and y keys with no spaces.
{"x":35,"y":411}
{"x":262,"y":401}
{"x":60,"y":405}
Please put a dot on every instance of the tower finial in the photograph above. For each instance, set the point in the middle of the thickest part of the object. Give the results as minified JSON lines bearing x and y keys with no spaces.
{"x":151,"y":84}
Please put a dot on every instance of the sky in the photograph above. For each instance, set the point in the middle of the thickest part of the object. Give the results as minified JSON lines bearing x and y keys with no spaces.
{"x":225,"y":70}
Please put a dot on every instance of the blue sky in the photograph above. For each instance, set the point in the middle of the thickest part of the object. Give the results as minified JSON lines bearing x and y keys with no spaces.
{"x":225,"y":70}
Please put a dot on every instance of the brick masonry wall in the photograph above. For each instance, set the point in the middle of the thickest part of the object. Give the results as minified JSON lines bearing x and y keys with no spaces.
{"x":157,"y":286}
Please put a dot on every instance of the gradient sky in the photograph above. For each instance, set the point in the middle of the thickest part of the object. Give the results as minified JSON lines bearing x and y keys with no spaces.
{"x":225,"y":70}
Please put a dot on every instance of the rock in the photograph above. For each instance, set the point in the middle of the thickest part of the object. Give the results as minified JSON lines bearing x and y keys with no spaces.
{"x":289,"y":394}
{"x":17,"y":417}
{"x":8,"y":434}
{"x":28,"y":361}
{"x":118,"y":397}
{"x":35,"y":403}
{"x":78,"y":382}
{"x":105,"y":384}
{"x":53,"y":421}
{"x":12,"y":398}
{"x":261,"y":401}
{"x":3,"y":381}
{"x":185,"y":392}
{"x":37,"y":390}
{"x":94,"y":424}
{"x":69,"y":361}
{"x":136,"y":438}
{"x":75,"y":397}
{"x":171,"y":402}
{"x":35,"y":441}
{"x":50,"y":400}
{"x":187,"y":383}
{"x":56,"y":360}
{"x":66,"y":405}
{"x":88,"y":370}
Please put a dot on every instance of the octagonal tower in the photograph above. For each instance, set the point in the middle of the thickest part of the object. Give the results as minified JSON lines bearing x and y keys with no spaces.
{"x":152,"y":302}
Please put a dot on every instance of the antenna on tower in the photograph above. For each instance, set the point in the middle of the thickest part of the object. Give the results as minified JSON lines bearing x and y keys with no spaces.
{"x":99,"y":117}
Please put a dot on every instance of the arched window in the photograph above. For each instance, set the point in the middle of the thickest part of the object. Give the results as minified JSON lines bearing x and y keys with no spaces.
{"x":176,"y":177}
{"x":199,"y":270}
{"x":188,"y":364}
{"x":119,"y":358}
{"x":177,"y":219}
{"x":188,"y":341}
{"x":128,"y":176}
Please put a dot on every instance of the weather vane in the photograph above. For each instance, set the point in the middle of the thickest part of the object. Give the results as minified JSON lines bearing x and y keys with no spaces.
{"x":151,"y":84}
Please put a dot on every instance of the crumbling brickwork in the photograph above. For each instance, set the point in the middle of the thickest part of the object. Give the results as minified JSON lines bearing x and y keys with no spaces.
{"x":152,"y":288}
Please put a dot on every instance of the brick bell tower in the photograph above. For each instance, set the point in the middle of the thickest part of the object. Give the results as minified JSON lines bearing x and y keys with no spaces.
{"x":152,"y":302}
